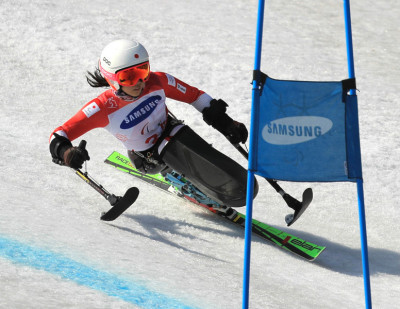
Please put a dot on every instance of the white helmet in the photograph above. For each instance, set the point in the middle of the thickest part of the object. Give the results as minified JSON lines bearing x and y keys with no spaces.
{"x":120,"y":55}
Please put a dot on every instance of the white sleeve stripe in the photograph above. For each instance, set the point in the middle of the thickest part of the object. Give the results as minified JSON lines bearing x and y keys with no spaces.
{"x":59,"y":132}
{"x":202,"y":102}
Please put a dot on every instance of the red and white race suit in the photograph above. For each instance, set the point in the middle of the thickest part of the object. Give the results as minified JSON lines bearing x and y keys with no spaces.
{"x":136,"y":122}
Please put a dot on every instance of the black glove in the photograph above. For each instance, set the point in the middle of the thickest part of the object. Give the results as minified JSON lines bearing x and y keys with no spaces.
{"x":216,"y":116}
{"x":75,"y":156}
{"x":237,"y":133}
{"x":58,"y":146}
{"x":64,"y":153}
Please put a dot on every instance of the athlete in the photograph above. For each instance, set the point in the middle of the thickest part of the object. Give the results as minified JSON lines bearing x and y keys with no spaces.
{"x":134,"y":110}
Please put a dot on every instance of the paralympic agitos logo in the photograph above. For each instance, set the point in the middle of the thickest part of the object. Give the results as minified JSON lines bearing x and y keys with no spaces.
{"x":141,"y":112}
{"x":294,"y":130}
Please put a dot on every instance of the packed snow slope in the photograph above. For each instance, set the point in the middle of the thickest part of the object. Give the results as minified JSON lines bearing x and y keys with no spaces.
{"x":54,"y":250}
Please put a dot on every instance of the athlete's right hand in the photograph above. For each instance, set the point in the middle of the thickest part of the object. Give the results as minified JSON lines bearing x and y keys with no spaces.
{"x":75,"y":156}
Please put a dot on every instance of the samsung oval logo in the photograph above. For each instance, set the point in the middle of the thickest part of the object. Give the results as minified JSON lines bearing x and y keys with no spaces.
{"x":141,"y":112}
{"x":295,"y":130}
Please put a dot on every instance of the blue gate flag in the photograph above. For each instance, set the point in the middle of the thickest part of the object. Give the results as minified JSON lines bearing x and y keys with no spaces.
{"x":307,"y":131}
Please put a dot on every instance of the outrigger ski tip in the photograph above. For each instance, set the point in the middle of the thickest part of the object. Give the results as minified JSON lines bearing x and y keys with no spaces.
{"x":300,"y":207}
{"x":119,"y":204}
{"x":122,"y":204}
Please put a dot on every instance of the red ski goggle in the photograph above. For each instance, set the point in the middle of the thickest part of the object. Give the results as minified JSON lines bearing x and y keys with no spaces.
{"x":129,"y":76}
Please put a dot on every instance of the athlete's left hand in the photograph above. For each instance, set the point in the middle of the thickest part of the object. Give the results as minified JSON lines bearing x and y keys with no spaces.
{"x":237,"y":133}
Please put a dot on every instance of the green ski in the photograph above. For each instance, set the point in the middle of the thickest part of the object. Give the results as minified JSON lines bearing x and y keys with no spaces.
{"x":280,"y":238}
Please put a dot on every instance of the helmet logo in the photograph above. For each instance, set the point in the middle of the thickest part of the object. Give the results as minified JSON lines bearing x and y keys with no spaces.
{"x":106,"y":61}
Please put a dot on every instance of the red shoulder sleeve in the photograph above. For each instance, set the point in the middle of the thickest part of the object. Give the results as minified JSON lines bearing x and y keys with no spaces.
{"x":92,"y":115}
{"x":177,"y":90}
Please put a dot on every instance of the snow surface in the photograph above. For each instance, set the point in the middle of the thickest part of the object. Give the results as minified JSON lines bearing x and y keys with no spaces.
{"x":167,"y":246}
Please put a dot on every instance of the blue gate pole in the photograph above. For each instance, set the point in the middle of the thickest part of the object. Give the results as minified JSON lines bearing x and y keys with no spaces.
{"x":251,"y":163}
{"x":360,"y":189}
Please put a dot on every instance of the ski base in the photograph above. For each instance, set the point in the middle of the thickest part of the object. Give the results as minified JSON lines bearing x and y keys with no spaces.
{"x":280,"y":238}
{"x":122,"y":204}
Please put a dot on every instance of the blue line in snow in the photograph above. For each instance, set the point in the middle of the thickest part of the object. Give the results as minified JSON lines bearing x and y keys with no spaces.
{"x":69,"y":269}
